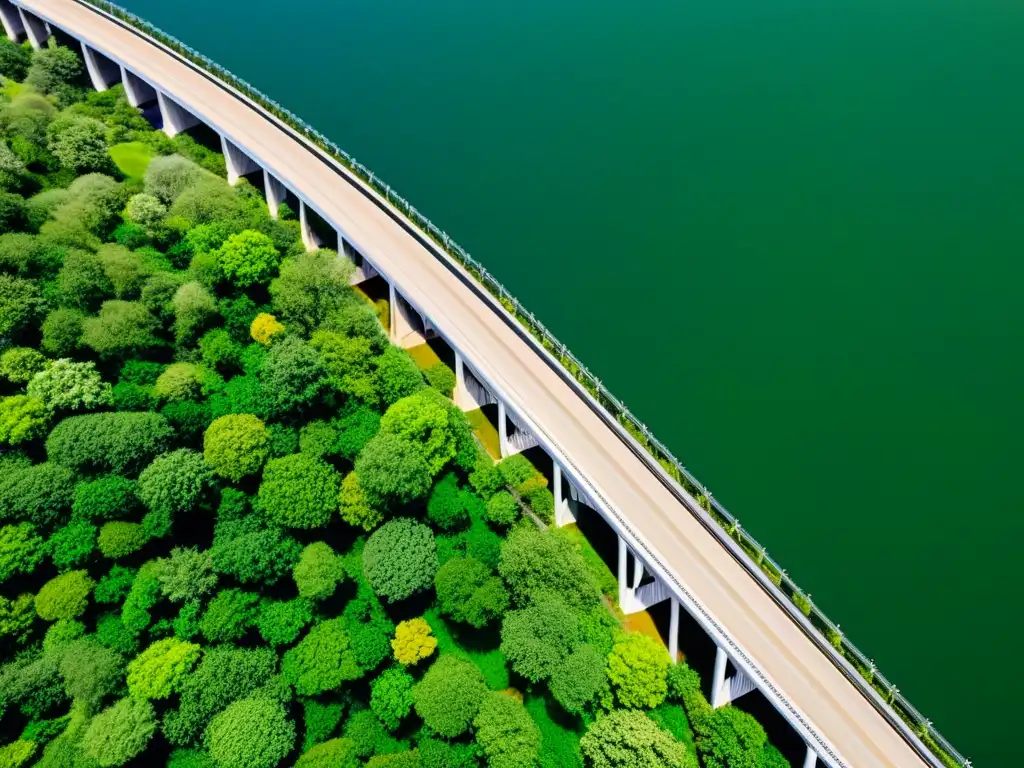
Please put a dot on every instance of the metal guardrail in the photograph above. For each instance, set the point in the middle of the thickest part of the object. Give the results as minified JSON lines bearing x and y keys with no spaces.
{"x":921,"y":726}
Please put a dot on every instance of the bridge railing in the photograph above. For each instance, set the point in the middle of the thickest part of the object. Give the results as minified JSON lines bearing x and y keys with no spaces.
{"x":943,"y":750}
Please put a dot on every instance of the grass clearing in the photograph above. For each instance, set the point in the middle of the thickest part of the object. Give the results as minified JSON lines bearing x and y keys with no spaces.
{"x":132,"y":158}
{"x":560,"y":733}
{"x":673,"y":719}
{"x":424,"y":356}
{"x":478,"y":646}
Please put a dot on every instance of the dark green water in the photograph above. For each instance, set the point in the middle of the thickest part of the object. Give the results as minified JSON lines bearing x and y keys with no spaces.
{"x":790,"y":234}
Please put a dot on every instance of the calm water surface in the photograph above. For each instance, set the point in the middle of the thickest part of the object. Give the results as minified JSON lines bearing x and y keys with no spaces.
{"x":790,"y":234}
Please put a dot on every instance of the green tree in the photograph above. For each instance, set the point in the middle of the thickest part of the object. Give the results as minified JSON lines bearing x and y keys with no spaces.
{"x":21,"y":550}
{"x":397,"y":375}
{"x":122,"y":328}
{"x":90,"y":671}
{"x":120,"y":732}
{"x":280,"y":622}
{"x":322,"y":660}
{"x":79,"y":142}
{"x":114,"y":586}
{"x":38,"y":493}
{"x":534,"y":563}
{"x":251,"y":733}
{"x":503,"y":509}
{"x":537,"y":638}
{"x":731,"y":738}
{"x":65,"y":596}
{"x":73,"y":544}
{"x":104,"y":498}
{"x":348,"y":362}
{"x":299,"y":491}
{"x":82,"y":282}
{"x":578,"y":679}
{"x":14,"y":60}
{"x":180,"y":381}
{"x":220,"y":350}
{"x":22,"y":418}
{"x":449,"y":695}
{"x":236,"y":445}
{"x":229,"y":615}
{"x":19,"y":364}
{"x":400,"y":559}
{"x":446,"y":506}
{"x":157,"y":672}
{"x":119,"y":539}
{"x":187,"y":574}
{"x":145,"y":210}
{"x":428,"y":420}
{"x":468,"y":591}
{"x":391,"y":696}
{"x":87,"y":210}
{"x":392,"y":471}
{"x":262,"y":555}
{"x":248,"y":257}
{"x":336,"y":753}
{"x":310,"y":287}
{"x":169,"y":175}
{"x":125,"y":269}
{"x":440,"y":377}
{"x":142,"y":597}
{"x":20,"y":303}
{"x":16,"y":617}
{"x":356,"y":427}
{"x":506,"y":732}
{"x":354,"y":507}
{"x":194,"y":306}
{"x":52,"y":67}
{"x":629,"y":739}
{"x":68,"y":386}
{"x":292,"y":376}
{"x":318,"y":571}
{"x":173,"y":482}
{"x":62,"y":330}
{"x":637,"y":668}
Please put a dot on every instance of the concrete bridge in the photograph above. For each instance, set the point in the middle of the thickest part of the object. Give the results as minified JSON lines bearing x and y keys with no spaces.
{"x":665,"y":552}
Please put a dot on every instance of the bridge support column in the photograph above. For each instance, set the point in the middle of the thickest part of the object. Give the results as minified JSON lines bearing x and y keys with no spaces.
{"x":564,"y":512}
{"x":176,"y":118}
{"x":673,"y":632}
{"x":309,"y":238}
{"x":727,"y":690}
{"x":36,"y":29}
{"x":137,"y":90}
{"x":811,"y":758}
{"x":718,"y":680}
{"x":103,"y":73}
{"x":238,"y":163}
{"x":14,"y":28}
{"x":276,"y":192}
{"x":503,"y":430}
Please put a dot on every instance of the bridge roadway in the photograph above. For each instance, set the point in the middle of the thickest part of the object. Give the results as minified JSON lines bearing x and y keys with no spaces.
{"x":839,"y":713}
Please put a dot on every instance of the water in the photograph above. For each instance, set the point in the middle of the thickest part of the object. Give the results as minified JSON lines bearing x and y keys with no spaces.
{"x":789,"y":234}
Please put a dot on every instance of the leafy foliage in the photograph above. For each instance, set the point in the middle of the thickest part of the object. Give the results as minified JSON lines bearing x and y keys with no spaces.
{"x":413,"y":641}
{"x":630,"y":739}
{"x":157,"y":672}
{"x":468,"y":591}
{"x":322,"y":661}
{"x":65,"y":596}
{"x":449,"y":695}
{"x":506,"y":732}
{"x":400,"y":559}
{"x":236,"y":445}
{"x":299,"y":491}
{"x":251,"y":733}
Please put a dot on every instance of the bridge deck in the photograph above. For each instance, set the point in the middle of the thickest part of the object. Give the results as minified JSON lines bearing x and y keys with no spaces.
{"x":837,"y":710}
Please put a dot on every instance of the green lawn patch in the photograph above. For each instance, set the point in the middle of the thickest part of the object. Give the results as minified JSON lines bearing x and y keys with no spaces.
{"x":132,"y":158}
{"x":673,"y":719}
{"x":479,"y":646}
{"x":560,"y":733}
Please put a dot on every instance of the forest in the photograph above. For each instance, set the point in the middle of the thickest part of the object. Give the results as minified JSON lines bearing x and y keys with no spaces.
{"x":239,"y":528}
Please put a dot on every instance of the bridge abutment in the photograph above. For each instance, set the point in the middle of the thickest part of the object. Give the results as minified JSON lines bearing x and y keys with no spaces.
{"x":137,"y":90}
{"x":175,"y":117}
{"x":103,"y":73}
{"x":238,"y":163}
{"x":38,"y":31}
{"x":14,"y":27}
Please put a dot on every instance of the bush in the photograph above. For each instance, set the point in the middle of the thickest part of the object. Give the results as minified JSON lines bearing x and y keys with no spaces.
{"x":20,"y":300}
{"x":38,"y":493}
{"x":292,"y":376}
{"x":248,"y":257}
{"x":630,"y":739}
{"x":64,"y":597}
{"x":637,"y":667}
{"x":117,"y":442}
{"x":186,"y":575}
{"x":318,"y":571}
{"x":22,"y":419}
{"x":506,"y":732}
{"x":445,"y":507}
{"x":16,"y":617}
{"x":440,"y":377}
{"x":119,"y":539}
{"x":534,"y":563}
{"x":104,"y":498}
{"x":391,"y":697}
{"x":392,"y":471}
{"x":578,"y":679}
{"x":281,"y":622}
{"x":537,"y":639}
{"x":158,"y":671}
{"x":19,"y":364}
{"x":193,"y":308}
{"x":69,"y":386}
{"x":336,"y":753}
{"x":122,"y":328}
{"x":236,"y":445}
{"x":449,"y":696}
{"x":167,"y":177}
{"x":79,"y":142}
{"x":322,"y":660}
{"x":53,"y":67}
{"x":14,"y":60}
{"x":229,"y":615}
{"x":180,"y":381}
{"x":265,"y":328}
{"x":400,"y":559}
{"x":62,"y":330}
{"x":72,"y":544}
{"x":251,"y":733}
{"x":469,"y":592}
{"x":397,"y":375}
{"x":299,"y":491}
{"x":220,"y":351}
{"x":260,"y":555}
{"x":354,"y":507}
{"x":503,"y":509}
{"x":21,"y":550}
{"x":120,"y":732}
{"x":173,"y":482}
{"x":113,"y":588}
{"x":413,"y":642}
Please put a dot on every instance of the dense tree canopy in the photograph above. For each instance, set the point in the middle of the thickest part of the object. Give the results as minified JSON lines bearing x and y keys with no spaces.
{"x":400,"y":559}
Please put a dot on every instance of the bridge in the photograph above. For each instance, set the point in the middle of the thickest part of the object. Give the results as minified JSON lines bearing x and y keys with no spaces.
{"x":666,"y":552}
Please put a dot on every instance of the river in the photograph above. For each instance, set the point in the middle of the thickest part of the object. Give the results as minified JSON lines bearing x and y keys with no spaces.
{"x":789,"y":234}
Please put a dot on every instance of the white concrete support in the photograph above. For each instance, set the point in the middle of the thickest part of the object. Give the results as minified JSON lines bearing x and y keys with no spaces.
{"x":14,"y":27}
{"x":103,"y":73}
{"x":176,"y":118}
{"x":673,"y":632}
{"x":564,"y":506}
{"x":811,"y":758}
{"x":624,"y":593}
{"x":718,"y":690}
{"x":309,"y":238}
{"x":462,"y":397}
{"x":392,"y":303}
{"x":36,"y":29}
{"x":137,"y":90}
{"x":638,"y":573}
{"x":276,"y":192}
{"x":238,"y":163}
{"x":503,"y":430}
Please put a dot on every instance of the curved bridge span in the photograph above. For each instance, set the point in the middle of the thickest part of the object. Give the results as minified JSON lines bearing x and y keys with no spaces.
{"x":666,"y":550}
